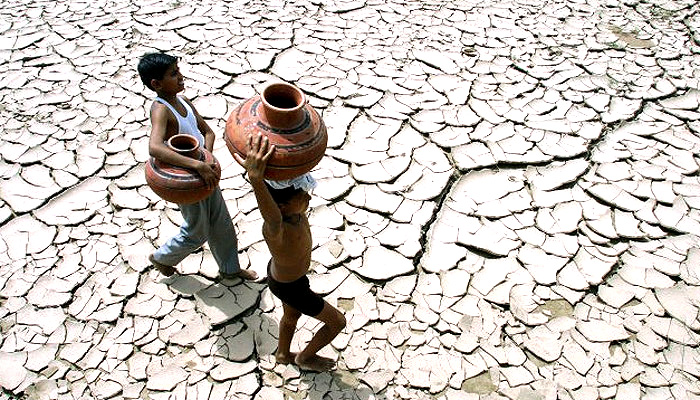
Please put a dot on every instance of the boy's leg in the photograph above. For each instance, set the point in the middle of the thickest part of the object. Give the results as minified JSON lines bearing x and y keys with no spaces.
{"x":333,"y":322}
{"x":288,"y":325}
{"x":222,"y":238}
{"x":192,"y":235}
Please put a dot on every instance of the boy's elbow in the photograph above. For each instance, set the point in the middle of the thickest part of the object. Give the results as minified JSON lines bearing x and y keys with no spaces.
{"x":154,"y":150}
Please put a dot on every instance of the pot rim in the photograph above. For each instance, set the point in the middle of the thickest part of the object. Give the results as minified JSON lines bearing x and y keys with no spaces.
{"x":185,"y":137}
{"x":289,"y":88}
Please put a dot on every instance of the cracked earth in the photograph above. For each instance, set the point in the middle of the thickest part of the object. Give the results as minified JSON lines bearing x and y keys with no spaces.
{"x":509,"y":206}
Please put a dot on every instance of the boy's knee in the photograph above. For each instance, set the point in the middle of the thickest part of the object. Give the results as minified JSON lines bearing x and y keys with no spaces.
{"x":339,"y":321}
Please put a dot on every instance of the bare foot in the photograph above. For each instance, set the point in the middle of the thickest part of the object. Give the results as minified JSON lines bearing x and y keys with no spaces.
{"x":245,"y":274}
{"x":315,"y":363}
{"x":163,"y":269}
{"x":248,"y":275}
{"x":285,"y":359}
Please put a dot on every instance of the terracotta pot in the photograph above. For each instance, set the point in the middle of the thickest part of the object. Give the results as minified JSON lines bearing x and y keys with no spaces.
{"x":178,"y":184}
{"x":281,"y":113}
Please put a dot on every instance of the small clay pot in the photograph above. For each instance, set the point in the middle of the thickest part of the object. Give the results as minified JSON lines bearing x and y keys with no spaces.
{"x":281,"y":113}
{"x":178,"y":184}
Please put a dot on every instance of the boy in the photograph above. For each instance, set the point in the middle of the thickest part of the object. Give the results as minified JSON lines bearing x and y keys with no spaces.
{"x":288,"y":236}
{"x":208,"y":219}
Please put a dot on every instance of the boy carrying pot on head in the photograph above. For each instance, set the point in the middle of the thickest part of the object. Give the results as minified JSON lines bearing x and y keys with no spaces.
{"x":287,"y":233}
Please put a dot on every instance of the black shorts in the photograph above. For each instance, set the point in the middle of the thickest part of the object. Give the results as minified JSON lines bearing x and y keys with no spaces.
{"x":296,"y":294}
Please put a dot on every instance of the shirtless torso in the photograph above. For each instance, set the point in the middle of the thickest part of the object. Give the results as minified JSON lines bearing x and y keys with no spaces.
{"x":288,"y":236}
{"x":291,"y":249}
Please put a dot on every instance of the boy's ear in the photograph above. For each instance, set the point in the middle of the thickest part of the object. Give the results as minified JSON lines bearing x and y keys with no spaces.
{"x":155,"y":83}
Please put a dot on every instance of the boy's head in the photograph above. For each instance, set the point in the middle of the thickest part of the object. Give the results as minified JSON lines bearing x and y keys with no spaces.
{"x":154,"y":66}
{"x":290,"y":200}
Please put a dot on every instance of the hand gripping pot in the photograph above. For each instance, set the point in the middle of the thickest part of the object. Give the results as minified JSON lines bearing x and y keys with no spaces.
{"x":178,"y":184}
{"x":281,"y":113}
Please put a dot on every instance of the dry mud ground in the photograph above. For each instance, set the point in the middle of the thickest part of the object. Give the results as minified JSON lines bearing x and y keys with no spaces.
{"x":509,"y":207}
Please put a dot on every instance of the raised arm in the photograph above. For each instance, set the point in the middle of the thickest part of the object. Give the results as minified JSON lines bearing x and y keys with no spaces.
{"x":259,"y":151}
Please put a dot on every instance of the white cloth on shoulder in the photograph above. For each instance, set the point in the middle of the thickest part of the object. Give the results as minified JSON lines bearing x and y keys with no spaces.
{"x":306,"y":182}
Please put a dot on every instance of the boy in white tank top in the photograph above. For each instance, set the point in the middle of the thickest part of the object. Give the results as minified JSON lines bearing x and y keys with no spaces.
{"x":208,"y":219}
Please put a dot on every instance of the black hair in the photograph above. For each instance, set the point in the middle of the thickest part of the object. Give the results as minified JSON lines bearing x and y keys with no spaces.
{"x":282,"y":196}
{"x":153,"y":66}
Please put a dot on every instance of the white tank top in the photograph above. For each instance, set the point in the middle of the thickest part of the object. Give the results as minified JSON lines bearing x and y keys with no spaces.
{"x":186,"y":124}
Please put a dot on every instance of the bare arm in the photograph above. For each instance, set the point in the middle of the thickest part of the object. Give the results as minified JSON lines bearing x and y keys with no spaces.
{"x":259,"y":151}
{"x":268,"y":208}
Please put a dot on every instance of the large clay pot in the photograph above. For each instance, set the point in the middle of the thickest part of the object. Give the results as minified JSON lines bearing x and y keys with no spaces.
{"x":281,"y":113}
{"x":178,"y":184}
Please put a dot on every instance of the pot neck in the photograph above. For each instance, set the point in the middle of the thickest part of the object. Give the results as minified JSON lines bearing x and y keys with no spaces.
{"x":283,"y":118}
{"x":283,"y":105}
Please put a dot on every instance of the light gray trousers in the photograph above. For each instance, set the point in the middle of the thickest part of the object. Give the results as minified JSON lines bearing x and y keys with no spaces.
{"x":206,"y":220}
